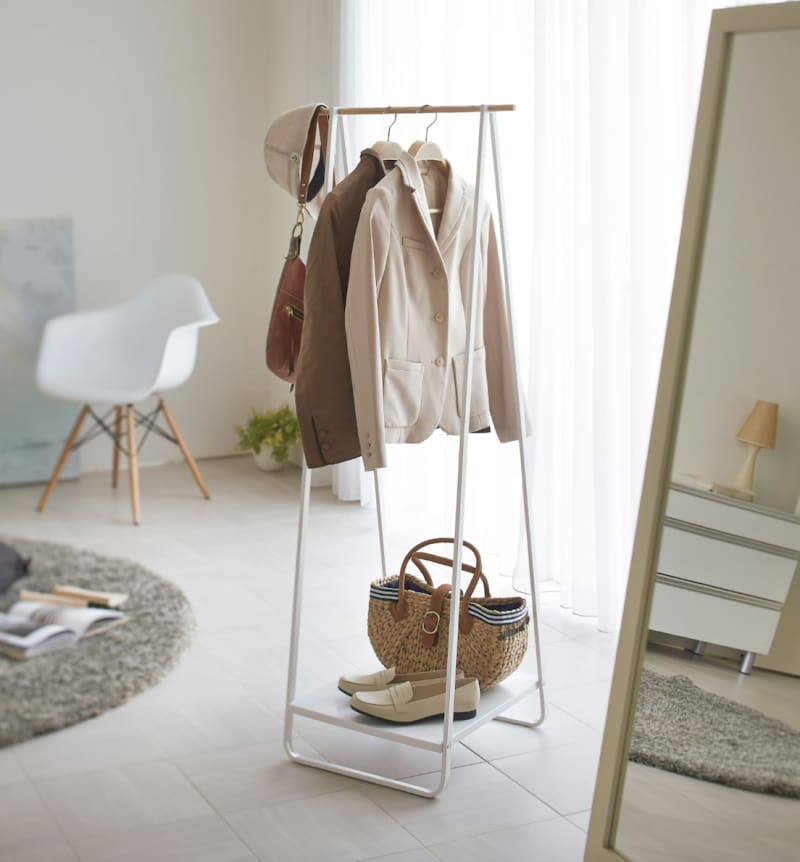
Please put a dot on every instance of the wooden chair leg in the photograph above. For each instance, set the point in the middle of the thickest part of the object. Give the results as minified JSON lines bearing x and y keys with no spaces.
{"x":73,"y":435}
{"x":133,"y":462}
{"x":117,"y":440}
{"x":187,"y":455}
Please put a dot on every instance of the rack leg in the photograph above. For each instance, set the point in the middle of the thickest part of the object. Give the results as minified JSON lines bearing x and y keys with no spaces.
{"x":297,"y":605}
{"x":334,"y":122}
{"x":379,"y":509}
{"x":521,"y":426}
{"x":342,"y":144}
{"x":463,"y":445}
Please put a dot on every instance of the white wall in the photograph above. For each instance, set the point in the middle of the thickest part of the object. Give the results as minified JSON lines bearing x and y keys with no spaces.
{"x":143,"y":121}
{"x":745,"y":343}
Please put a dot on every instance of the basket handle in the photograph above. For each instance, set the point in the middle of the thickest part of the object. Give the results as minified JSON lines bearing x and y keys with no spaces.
{"x":400,"y":609}
{"x":446,"y":561}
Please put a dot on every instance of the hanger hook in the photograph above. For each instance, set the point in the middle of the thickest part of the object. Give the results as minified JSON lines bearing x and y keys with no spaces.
{"x":419,"y":110}
{"x":436,"y":117}
{"x":389,"y":130}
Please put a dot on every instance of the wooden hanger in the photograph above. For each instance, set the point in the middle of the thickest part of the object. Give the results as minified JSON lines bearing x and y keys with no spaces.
{"x":388,"y":150}
{"x":428,"y":151}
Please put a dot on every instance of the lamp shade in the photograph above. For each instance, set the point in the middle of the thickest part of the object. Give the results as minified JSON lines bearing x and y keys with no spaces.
{"x":760,"y":426}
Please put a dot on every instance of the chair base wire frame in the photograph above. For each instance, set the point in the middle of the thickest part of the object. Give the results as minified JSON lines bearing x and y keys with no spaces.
{"x":132,"y":418}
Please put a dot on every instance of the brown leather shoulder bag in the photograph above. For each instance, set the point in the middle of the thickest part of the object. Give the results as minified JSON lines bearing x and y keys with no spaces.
{"x":286,"y":321}
{"x":285,"y":330}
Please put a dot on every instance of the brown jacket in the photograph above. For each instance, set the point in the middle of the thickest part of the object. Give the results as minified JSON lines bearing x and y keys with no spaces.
{"x":324,"y":392}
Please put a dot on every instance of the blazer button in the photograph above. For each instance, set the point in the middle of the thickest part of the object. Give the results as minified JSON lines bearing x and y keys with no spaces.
{"x":437,"y":273}
{"x":438,"y":317}
{"x":326,"y":446}
{"x":440,"y":360}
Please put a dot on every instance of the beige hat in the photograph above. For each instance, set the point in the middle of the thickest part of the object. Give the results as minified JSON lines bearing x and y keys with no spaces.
{"x":294,"y":153}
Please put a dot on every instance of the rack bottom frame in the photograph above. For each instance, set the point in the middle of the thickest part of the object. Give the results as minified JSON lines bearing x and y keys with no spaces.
{"x":333,"y":708}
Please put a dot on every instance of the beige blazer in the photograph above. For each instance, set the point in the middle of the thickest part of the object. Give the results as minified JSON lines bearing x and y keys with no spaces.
{"x":405,"y":316}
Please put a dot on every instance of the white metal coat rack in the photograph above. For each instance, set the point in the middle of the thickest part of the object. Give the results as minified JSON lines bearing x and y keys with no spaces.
{"x":329,"y":706}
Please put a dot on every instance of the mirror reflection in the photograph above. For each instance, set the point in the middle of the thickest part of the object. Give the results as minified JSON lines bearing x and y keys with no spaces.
{"x":715,"y":753}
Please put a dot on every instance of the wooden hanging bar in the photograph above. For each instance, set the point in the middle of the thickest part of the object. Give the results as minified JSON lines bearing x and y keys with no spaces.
{"x":421,"y":109}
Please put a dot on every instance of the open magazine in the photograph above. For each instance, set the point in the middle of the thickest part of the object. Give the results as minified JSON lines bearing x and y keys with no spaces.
{"x":33,"y":628}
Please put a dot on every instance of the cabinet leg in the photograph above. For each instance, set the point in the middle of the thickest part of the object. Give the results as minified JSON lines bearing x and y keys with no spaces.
{"x":699,"y":647}
{"x":747,"y":662}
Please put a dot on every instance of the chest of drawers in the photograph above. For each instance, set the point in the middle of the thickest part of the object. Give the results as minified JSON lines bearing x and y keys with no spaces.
{"x":724,"y":571}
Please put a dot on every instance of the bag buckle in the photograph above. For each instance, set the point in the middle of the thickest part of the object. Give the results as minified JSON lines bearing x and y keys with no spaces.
{"x":296,"y":235}
{"x":435,"y":624}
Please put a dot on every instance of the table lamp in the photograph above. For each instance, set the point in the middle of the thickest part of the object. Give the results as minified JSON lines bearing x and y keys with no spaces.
{"x":758,"y":432}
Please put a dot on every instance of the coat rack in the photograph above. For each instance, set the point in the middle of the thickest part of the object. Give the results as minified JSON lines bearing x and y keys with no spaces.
{"x":329,"y":707}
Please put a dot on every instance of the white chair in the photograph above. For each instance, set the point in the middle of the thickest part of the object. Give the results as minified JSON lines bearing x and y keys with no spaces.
{"x":119,"y":356}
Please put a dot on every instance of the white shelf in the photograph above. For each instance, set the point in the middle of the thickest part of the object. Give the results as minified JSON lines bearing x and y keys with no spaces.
{"x":332,"y":707}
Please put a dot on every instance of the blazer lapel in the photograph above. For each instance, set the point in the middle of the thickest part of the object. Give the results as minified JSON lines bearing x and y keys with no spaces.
{"x":454,"y":204}
{"x":452,"y":211}
{"x":413,"y":181}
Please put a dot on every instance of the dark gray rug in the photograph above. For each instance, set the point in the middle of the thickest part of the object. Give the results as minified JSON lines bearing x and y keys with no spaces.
{"x":57,"y":689}
{"x":682,"y":728}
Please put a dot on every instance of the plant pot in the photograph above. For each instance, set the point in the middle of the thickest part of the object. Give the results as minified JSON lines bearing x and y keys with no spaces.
{"x":265,"y":461}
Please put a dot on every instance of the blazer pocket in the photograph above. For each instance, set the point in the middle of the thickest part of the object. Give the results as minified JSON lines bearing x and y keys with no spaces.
{"x":480,"y":394}
{"x":402,"y":393}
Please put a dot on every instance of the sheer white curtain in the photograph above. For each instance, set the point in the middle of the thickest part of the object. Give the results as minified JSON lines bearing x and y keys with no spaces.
{"x":594,"y":163}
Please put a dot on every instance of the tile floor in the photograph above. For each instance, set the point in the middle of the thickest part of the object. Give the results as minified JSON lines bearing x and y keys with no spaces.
{"x":194,"y":768}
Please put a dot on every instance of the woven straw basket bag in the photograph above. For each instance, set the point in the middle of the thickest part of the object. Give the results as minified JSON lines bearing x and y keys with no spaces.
{"x":409,"y":620}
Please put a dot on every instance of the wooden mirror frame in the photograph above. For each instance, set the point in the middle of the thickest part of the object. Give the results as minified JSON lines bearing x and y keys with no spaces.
{"x":725,"y":23}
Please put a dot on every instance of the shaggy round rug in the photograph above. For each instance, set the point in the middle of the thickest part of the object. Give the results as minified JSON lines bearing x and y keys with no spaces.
{"x":57,"y":689}
{"x":682,"y":728}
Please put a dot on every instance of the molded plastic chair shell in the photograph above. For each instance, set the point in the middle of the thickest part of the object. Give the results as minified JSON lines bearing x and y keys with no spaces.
{"x":125,"y":353}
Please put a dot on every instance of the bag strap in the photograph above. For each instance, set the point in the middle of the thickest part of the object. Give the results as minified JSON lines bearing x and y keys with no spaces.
{"x":321,"y":121}
{"x":318,"y":120}
{"x":432,"y":618}
{"x":400,"y":608}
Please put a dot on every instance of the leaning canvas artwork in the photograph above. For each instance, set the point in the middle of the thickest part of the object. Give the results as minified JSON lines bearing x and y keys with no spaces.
{"x":36,"y":283}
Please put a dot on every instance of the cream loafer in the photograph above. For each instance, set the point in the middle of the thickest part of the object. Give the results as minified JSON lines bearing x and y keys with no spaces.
{"x":415,"y":701}
{"x":385,"y":678}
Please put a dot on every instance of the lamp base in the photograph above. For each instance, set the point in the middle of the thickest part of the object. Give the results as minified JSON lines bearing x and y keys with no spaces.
{"x":731,"y":491}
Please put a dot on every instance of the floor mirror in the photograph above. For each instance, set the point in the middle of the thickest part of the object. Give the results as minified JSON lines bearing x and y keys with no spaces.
{"x":701,"y":751}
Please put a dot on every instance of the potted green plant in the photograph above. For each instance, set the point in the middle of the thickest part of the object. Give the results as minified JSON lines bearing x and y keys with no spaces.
{"x":269,"y":435}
